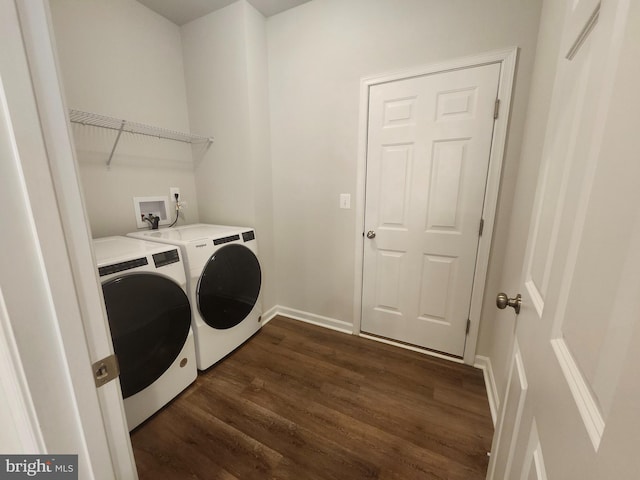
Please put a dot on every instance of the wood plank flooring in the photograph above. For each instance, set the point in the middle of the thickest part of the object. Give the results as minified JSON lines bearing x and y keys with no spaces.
{"x":300,"y":402}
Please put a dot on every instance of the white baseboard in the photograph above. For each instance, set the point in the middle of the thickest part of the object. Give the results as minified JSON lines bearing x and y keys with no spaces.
{"x":484,"y":364}
{"x":307,"y":317}
{"x":423,"y":351}
{"x":269,"y":314}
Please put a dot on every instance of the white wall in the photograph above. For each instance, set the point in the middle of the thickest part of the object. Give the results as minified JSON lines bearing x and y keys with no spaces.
{"x":214,"y":50}
{"x":225,"y":59}
{"x":260,"y":146}
{"x":119,"y":58}
{"x":318,"y":53}
{"x":285,"y":129}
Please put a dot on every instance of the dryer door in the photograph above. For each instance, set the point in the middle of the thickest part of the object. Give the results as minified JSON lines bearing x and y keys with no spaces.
{"x":149,"y":316}
{"x":229,"y":286}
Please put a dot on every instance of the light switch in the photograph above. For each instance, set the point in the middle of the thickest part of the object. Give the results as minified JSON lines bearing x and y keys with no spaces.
{"x":345,"y":200}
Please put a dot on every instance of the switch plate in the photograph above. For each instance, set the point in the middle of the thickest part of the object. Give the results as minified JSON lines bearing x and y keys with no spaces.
{"x":345,"y":200}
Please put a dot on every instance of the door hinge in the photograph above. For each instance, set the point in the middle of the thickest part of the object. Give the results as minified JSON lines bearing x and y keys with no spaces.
{"x":105,"y":370}
{"x":496,"y":109}
{"x":468,"y":326}
{"x":481,"y":229}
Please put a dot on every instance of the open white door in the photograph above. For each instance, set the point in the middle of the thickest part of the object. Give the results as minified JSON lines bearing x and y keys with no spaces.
{"x":571,"y":406}
{"x":53,"y":309}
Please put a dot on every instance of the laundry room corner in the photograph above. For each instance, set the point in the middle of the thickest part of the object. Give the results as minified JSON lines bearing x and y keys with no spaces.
{"x":208,"y":77}
{"x":225,"y":63}
{"x":122,"y":60}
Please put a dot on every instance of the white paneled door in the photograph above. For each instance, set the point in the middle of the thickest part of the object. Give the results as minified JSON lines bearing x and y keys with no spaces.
{"x":571,"y":410}
{"x":429,"y":143}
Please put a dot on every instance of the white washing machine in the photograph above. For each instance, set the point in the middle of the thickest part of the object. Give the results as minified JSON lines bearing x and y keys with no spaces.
{"x":223,"y":282}
{"x":149,"y":314}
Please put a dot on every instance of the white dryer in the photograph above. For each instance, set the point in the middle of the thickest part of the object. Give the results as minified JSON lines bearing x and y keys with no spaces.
{"x":223,"y":282}
{"x":144,"y":287}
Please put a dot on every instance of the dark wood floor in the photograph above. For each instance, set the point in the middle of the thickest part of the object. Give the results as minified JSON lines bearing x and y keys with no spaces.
{"x":301,"y":402}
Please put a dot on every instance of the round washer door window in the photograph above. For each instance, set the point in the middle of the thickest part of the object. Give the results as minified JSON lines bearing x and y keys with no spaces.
{"x":229,"y":286}
{"x":149,"y":316}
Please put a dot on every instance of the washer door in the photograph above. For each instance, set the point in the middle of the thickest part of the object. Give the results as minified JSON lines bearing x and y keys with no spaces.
{"x":229,"y":286}
{"x":149,"y":316}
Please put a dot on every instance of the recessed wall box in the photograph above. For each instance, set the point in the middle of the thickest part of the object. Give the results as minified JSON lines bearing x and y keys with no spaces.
{"x":157,"y":206}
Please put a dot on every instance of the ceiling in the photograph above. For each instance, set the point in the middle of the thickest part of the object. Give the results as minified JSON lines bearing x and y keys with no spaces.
{"x":183,"y":11}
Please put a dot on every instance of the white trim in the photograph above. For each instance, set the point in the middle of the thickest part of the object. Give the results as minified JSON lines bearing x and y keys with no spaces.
{"x":319,"y":320}
{"x":361,"y":178}
{"x":591,"y":163}
{"x":494,"y":56}
{"x":505,"y":89}
{"x":18,"y":414}
{"x":508,"y":59}
{"x":269,"y":315}
{"x":413,"y":348}
{"x":41,"y":301}
{"x":484,"y":364}
{"x":586,"y":403}
{"x":518,"y":365}
{"x":534,"y":295}
{"x":516,"y":368}
{"x":35,"y":22}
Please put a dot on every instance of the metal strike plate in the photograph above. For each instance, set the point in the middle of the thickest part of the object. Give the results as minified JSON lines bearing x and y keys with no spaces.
{"x":105,"y":370}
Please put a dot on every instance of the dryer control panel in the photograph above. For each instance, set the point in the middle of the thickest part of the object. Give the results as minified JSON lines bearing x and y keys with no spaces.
{"x":166,"y":258}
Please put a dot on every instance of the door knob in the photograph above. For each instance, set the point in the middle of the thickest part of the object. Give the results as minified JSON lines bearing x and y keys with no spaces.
{"x":371,"y":234}
{"x":503,"y":301}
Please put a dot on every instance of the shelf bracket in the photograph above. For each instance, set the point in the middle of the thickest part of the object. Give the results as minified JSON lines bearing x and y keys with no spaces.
{"x":116,"y":143}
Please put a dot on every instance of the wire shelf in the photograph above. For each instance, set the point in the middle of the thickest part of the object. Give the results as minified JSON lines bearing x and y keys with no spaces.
{"x":119,"y":125}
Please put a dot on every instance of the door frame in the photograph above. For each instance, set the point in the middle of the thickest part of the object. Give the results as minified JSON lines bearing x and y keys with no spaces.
{"x":507,"y":58}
